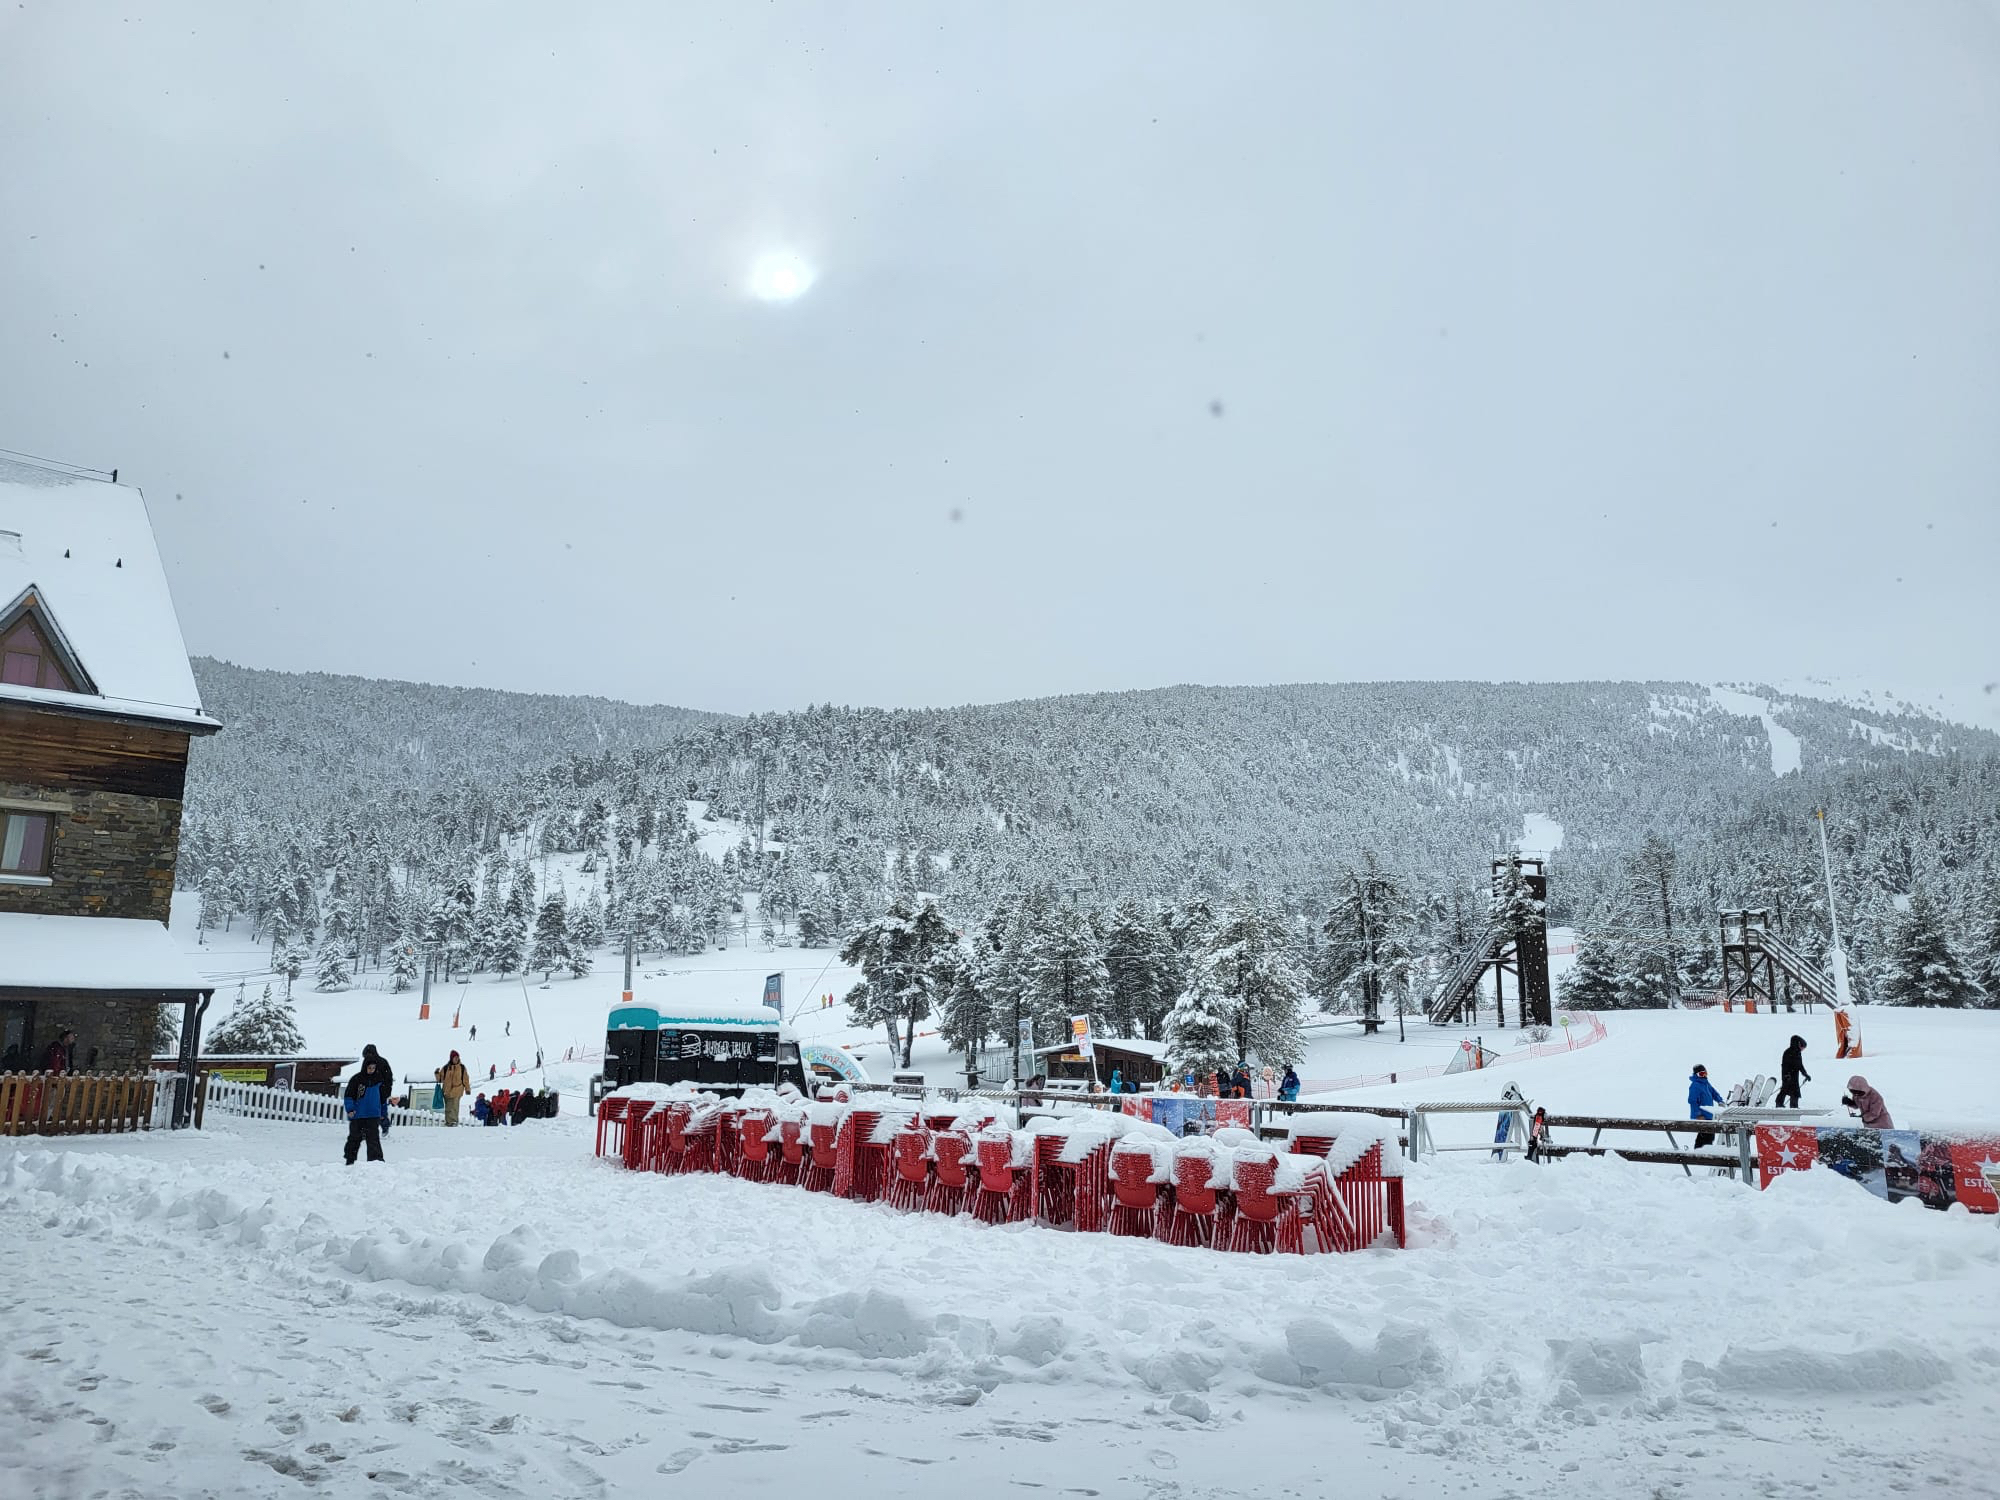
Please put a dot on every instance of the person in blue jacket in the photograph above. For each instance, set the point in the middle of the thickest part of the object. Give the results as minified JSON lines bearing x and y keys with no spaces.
{"x":367,"y":1103}
{"x":1288,"y":1086}
{"x":1117,"y":1080}
{"x":1701,"y":1094}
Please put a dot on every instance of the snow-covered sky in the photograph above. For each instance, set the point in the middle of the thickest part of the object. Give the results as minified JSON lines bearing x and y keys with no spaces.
{"x":744,"y":356}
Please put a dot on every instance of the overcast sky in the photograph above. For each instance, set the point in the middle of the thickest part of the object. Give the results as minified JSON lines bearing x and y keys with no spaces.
{"x":1144,"y":344}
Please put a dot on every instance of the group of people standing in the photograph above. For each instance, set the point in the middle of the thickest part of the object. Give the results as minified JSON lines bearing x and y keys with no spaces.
{"x":1861,"y":1096}
{"x":368,"y":1097}
{"x":512,"y":1106}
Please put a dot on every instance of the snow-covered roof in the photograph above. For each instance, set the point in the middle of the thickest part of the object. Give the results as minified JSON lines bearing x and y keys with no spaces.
{"x":703,"y":1017}
{"x":1123,"y":1044}
{"x":85,"y":549}
{"x":91,"y":953}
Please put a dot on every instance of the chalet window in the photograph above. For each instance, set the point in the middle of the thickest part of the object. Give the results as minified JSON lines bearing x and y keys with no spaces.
{"x":25,"y":842}
{"x":27,"y":659}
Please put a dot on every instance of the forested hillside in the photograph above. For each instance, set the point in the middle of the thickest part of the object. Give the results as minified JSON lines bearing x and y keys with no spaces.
{"x":1152,"y":813}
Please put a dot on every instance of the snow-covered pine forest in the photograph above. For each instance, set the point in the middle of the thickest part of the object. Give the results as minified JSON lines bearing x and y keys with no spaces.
{"x":1116,"y":852}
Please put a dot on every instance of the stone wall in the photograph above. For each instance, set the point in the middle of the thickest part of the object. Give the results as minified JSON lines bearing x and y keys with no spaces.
{"x":121,"y":1031}
{"x":114,"y":854}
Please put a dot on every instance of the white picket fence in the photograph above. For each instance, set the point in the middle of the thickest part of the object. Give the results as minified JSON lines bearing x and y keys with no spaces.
{"x":254,"y":1101}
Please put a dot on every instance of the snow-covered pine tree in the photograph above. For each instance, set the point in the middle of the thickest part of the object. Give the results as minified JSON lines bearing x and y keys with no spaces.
{"x":267,"y":1026}
{"x":1922,"y":969}
{"x":551,"y":950}
{"x":405,"y":964}
{"x":813,"y":931}
{"x":1369,"y":929}
{"x":965,"y":1016}
{"x":1200,"y":1029}
{"x":1065,"y":974}
{"x":586,"y":922}
{"x":1249,"y":960}
{"x":331,"y":970}
{"x":1142,"y":969}
{"x":291,"y":963}
{"x":900,"y":955}
{"x":1592,"y":982}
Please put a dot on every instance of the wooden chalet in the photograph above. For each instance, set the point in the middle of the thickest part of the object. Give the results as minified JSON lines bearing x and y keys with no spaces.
{"x":97,"y":708}
{"x":1131,"y":1058}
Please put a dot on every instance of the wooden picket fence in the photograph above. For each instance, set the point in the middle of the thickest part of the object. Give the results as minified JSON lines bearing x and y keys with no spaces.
{"x":76,"y":1103}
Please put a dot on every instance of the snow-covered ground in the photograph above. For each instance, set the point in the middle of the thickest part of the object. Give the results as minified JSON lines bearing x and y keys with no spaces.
{"x":494,"y":1312}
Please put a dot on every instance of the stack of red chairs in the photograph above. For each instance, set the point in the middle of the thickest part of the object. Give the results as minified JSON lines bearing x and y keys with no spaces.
{"x":950,"y":1189}
{"x":910,"y":1169}
{"x":1058,"y":1181}
{"x":1135,"y":1201}
{"x":791,"y":1164}
{"x":818,"y":1175}
{"x":632,"y":1147}
{"x":1265,"y":1220}
{"x":611,"y":1124}
{"x":1196,"y":1215}
{"x":754,"y":1159}
{"x":1006,"y":1193}
{"x":692,"y":1147}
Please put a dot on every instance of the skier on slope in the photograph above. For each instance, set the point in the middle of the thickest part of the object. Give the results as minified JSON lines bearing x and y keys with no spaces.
{"x":1792,"y":1069}
{"x":1701,"y":1094}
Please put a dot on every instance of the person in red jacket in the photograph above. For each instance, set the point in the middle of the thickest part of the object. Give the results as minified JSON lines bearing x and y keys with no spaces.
{"x":61,"y":1056}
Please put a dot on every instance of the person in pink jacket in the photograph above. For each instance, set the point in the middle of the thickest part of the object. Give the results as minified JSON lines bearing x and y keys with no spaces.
{"x":1874,"y":1113}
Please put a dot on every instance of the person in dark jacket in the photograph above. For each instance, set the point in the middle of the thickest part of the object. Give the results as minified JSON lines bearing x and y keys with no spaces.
{"x":367,"y":1104}
{"x":1701,"y":1094}
{"x":61,"y":1056}
{"x":1860,"y":1096}
{"x":1288,"y":1086}
{"x":481,"y":1110}
{"x":1241,"y":1087}
{"x":1791,"y":1070}
{"x":521,"y":1107}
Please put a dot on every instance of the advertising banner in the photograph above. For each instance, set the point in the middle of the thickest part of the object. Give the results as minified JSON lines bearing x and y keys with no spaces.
{"x":1079,"y":1030}
{"x":774,"y":992}
{"x":1937,"y":1170}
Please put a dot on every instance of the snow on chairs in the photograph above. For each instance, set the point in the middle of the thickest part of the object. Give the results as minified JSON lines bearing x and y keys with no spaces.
{"x":693,"y":1141}
{"x":1265,"y":1219}
{"x":910,"y":1169}
{"x":950,"y":1188}
{"x":753,"y":1145}
{"x":1005,"y":1193}
{"x":1196,"y":1215}
{"x":791,"y":1164}
{"x":1135,"y":1198}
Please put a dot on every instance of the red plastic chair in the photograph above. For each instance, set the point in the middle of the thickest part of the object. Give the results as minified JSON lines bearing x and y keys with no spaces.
{"x":1265,"y":1220}
{"x":949,"y":1186}
{"x":818,"y":1174}
{"x":910,"y":1169}
{"x":753,"y":1152}
{"x":791,"y":1163}
{"x":1006,"y":1194}
{"x":1196,"y":1216}
{"x":1135,"y":1200}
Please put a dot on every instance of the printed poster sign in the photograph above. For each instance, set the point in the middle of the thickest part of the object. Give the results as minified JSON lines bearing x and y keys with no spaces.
{"x":774,"y":992}
{"x":1936,"y":1170}
{"x":1079,"y":1030}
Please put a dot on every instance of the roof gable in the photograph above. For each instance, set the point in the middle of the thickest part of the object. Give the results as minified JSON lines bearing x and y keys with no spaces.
{"x":27,"y":623}
{"x":81,"y":553}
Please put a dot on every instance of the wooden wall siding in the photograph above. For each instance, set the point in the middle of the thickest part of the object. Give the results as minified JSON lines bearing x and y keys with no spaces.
{"x":66,"y":752}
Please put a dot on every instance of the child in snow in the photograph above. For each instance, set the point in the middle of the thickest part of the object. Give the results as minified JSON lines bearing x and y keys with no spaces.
{"x":1792,"y":1069}
{"x":481,"y":1110}
{"x":1701,"y":1094}
{"x":1859,"y":1096}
